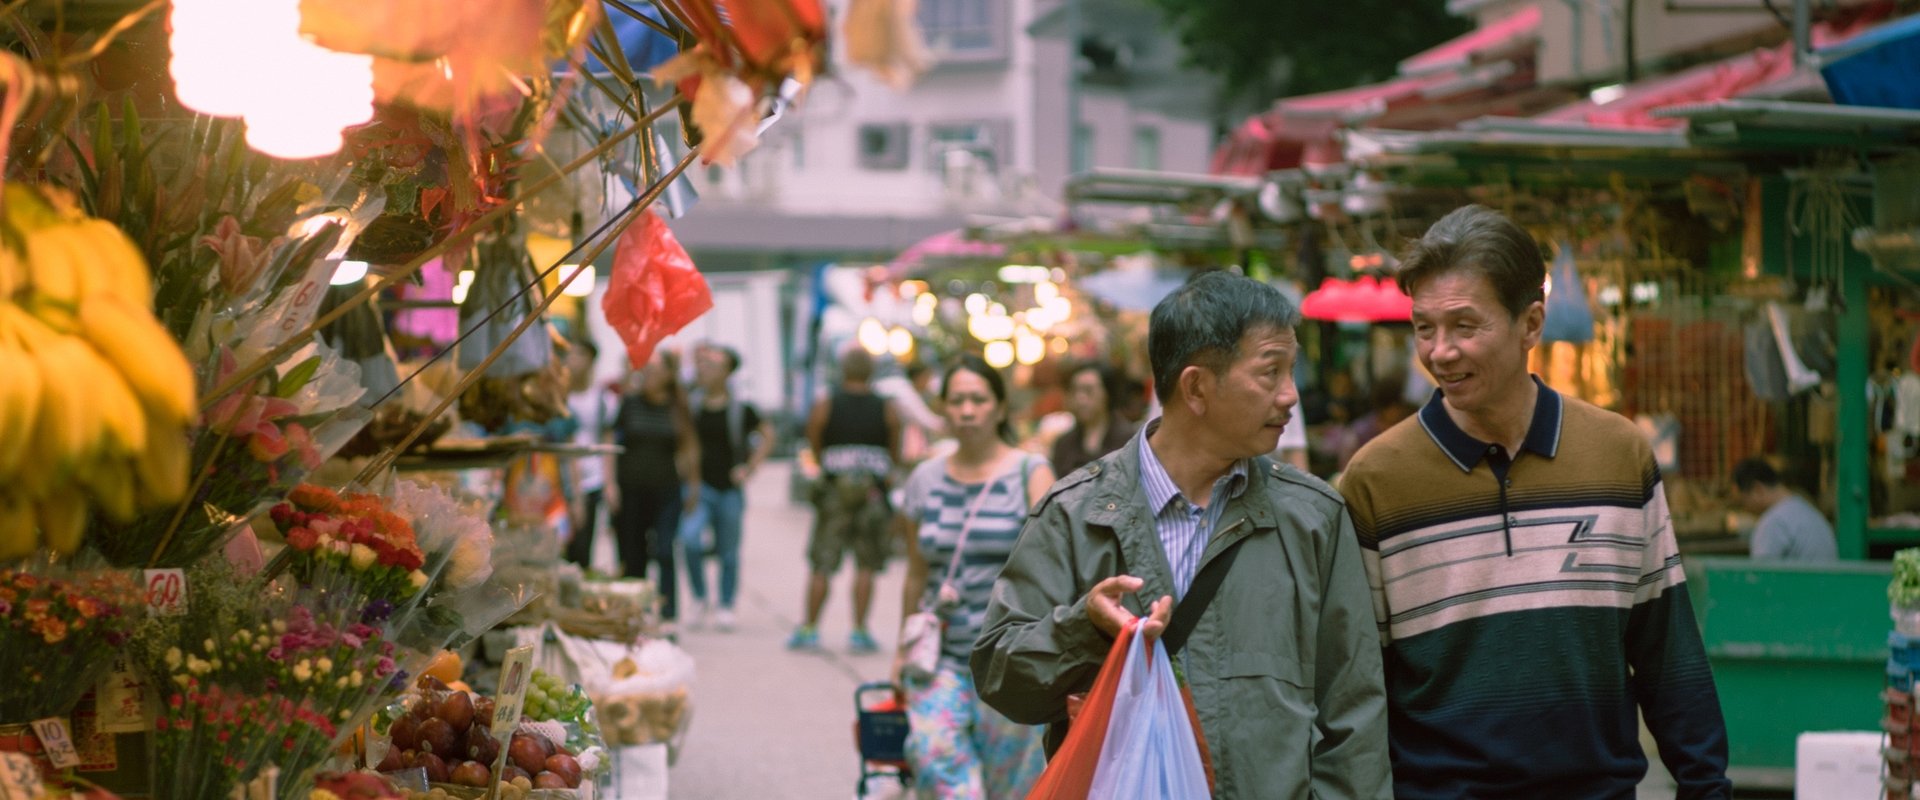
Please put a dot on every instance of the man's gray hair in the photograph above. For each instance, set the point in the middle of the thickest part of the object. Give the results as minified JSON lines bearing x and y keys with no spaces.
{"x":1201,"y":324}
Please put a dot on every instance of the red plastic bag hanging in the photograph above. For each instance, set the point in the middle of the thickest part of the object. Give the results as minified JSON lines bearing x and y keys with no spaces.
{"x":654,"y":290}
{"x":1069,"y":772}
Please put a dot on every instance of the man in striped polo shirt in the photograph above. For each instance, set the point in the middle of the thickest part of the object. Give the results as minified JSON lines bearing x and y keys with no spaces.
{"x":1524,"y":572}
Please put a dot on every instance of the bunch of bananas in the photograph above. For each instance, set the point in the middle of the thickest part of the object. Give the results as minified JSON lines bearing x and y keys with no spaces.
{"x":95,"y":395}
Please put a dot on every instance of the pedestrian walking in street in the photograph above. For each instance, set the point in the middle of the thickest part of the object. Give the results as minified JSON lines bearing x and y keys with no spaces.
{"x":592,"y":408}
{"x":960,"y":517}
{"x":1522,"y":560}
{"x":734,"y":441}
{"x":1284,"y":661}
{"x":656,"y":474}
{"x":856,"y":435}
{"x":1094,"y":393}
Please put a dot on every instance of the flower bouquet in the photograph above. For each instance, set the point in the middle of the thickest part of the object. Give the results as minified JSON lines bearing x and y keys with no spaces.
{"x":334,"y":538}
{"x":317,"y":662}
{"x":254,"y":444}
{"x":57,"y":636}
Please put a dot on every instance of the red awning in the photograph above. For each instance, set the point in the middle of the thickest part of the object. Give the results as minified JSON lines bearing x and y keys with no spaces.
{"x":1520,"y":30}
{"x":1463,"y":73}
{"x":1706,"y":83}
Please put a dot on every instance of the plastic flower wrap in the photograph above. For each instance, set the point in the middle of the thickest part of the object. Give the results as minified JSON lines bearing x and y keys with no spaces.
{"x":58,"y":631}
{"x":253,"y":446}
{"x":349,"y":542}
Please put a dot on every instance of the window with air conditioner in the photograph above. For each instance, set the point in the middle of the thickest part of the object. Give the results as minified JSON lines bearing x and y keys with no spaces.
{"x":1146,"y":147}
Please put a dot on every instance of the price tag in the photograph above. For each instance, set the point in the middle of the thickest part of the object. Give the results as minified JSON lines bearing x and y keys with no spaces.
{"x":516,"y":672}
{"x":58,"y":741}
{"x":19,"y":777}
{"x":122,"y":699}
{"x":166,"y":592}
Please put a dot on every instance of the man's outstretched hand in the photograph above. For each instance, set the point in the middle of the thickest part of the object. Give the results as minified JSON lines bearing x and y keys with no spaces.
{"x":1106,"y":613}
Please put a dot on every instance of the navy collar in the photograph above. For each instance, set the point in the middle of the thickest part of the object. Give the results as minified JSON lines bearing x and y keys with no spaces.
{"x":1543,"y":435}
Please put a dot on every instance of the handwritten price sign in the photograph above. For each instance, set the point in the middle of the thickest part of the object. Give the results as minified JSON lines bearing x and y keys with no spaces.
{"x":166,"y":592}
{"x":58,"y":742}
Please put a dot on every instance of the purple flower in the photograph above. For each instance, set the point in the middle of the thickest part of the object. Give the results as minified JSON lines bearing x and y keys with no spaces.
{"x":384,"y":667}
{"x":376,"y":611}
{"x":276,"y":654}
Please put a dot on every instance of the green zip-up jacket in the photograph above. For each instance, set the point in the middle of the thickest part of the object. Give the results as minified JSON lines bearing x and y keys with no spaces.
{"x":1284,"y":666}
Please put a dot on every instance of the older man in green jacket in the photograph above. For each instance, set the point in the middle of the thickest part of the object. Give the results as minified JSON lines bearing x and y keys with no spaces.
{"x":1284,"y":661}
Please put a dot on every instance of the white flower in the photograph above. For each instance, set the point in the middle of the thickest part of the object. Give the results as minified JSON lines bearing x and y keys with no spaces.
{"x":363,"y":556}
{"x":207,"y":645}
{"x":342,"y":683}
{"x":173,"y":658}
{"x":279,"y":626}
{"x":181,"y":679}
{"x":356,"y":680}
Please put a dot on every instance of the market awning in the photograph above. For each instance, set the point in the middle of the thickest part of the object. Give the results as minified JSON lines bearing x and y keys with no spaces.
{"x":1753,"y":72}
{"x":945,"y":246}
{"x":1487,"y":71}
{"x":1519,"y":31}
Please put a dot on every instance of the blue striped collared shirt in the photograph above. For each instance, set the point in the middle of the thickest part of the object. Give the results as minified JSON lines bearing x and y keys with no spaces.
{"x":1184,"y":528}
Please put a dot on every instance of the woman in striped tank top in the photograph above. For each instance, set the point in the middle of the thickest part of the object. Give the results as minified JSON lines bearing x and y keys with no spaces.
{"x":960,"y":747}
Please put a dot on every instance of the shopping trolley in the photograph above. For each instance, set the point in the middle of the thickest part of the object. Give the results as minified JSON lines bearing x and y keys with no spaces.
{"x":880,"y":731}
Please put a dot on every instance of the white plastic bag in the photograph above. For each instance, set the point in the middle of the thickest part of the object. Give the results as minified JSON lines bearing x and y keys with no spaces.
{"x":1150,"y":749}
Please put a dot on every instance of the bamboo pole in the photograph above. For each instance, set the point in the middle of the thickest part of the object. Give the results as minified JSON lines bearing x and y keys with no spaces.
{"x":297,"y":340}
{"x":385,"y":460}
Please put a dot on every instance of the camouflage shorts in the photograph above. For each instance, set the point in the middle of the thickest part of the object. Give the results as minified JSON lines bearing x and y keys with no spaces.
{"x":849,"y":514}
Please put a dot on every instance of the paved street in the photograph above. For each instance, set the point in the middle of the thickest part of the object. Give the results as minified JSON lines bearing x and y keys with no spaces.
{"x":770,"y":723}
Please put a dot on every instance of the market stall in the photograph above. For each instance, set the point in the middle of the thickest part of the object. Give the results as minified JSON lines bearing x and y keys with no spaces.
{"x":254,"y":544}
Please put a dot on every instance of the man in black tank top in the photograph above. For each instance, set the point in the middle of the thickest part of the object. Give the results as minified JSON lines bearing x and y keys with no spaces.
{"x":856,"y":436}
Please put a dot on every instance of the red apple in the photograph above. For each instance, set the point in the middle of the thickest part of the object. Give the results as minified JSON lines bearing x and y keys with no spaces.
{"x":436,"y":768}
{"x":566,"y":767}
{"x":548,"y":780}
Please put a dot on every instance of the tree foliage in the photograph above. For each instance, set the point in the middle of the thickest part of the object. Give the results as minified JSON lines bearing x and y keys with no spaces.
{"x":1266,"y":49}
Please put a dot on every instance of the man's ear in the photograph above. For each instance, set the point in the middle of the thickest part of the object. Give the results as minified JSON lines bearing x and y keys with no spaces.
{"x":1196,"y":387}
{"x":1534,"y":322}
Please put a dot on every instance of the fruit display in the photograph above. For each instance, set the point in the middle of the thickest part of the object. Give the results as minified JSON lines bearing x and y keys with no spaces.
{"x":97,"y":395}
{"x":448,"y":735}
{"x":550,"y":698}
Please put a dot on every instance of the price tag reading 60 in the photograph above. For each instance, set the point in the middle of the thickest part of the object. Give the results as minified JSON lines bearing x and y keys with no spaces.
{"x":166,"y":592}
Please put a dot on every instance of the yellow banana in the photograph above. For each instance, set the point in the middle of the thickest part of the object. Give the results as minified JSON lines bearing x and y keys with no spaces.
{"x":118,"y":267}
{"x":162,"y":467}
{"x":69,"y":427}
{"x":120,"y":412}
{"x":19,"y":403}
{"x":110,"y":481}
{"x":18,"y":536}
{"x":56,"y":276}
{"x":63,"y":518}
{"x":12,"y":272}
{"x":135,"y":343}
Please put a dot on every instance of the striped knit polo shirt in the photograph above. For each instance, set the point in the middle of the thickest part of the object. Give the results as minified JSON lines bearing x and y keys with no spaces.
{"x":1529,"y":603}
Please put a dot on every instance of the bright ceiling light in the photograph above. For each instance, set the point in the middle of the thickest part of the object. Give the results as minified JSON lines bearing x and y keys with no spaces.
{"x":999,"y":355}
{"x":900,"y":343}
{"x":873,"y":336}
{"x":582,"y":284}
{"x":349,"y":273}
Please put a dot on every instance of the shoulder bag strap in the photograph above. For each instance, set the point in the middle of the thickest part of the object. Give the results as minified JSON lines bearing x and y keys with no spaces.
{"x":966,"y":527}
{"x":1206,"y":584}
